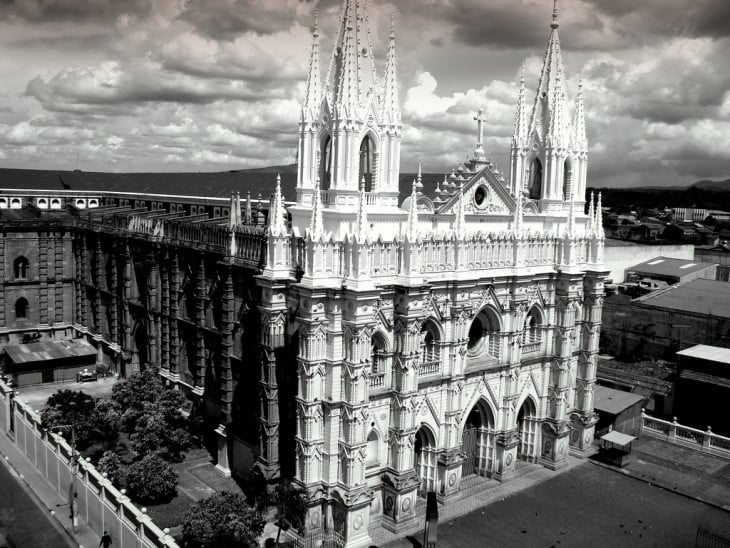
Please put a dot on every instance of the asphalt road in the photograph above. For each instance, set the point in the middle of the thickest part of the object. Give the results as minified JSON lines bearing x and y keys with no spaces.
{"x":589,"y":506}
{"x":22,"y":522}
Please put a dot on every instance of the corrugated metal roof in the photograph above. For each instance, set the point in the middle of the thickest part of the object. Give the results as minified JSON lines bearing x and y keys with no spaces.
{"x":707,"y":352}
{"x":698,"y":296}
{"x":614,"y":401}
{"x":667,"y":266}
{"x":48,"y":350}
{"x":618,"y":438}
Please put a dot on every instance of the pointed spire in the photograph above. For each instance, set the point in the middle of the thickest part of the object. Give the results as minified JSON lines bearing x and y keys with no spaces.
{"x":249,"y":215}
{"x":519,"y":136}
{"x":580,"y":139}
{"x":460,"y":219}
{"x":590,"y":228}
{"x":391,"y":100}
{"x":362,"y":228}
{"x":316,"y":226}
{"x":277,"y":226}
{"x":232,"y":212}
{"x":412,"y":228}
{"x":419,"y":178}
{"x":555,"y":24}
{"x":313,"y":96}
{"x":551,"y":90}
{"x":599,"y":218}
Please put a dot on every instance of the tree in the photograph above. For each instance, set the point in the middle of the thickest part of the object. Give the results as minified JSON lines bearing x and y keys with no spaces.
{"x":104,"y":421}
{"x":161,"y":428}
{"x":222,"y":520}
{"x":133,"y":392}
{"x":151,"y":480}
{"x":67,"y":408}
{"x":111,"y":465}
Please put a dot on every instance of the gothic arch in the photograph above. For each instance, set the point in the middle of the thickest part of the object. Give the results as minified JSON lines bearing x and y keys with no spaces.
{"x":21,"y":268}
{"x":528,"y":428}
{"x":568,"y":178}
{"x":483,"y":332}
{"x":424,"y":458}
{"x":374,"y":445}
{"x":367,"y":170}
{"x":326,"y":152}
{"x":21,"y":308}
{"x":478,"y":437}
{"x":535,"y":179}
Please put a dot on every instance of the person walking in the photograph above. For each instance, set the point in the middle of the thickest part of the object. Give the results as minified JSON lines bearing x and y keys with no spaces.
{"x":106,"y":540}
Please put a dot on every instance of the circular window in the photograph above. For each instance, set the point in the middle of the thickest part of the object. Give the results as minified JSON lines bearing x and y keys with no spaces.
{"x":480,"y":196}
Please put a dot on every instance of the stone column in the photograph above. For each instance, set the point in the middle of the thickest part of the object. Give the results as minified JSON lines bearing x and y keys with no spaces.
{"x":400,"y":480}
{"x":583,"y":417}
{"x":165,"y":311}
{"x":226,"y":381}
{"x":43,"y":278}
{"x":98,"y":274}
{"x":557,"y":426}
{"x":83,"y":271}
{"x":152,"y":305}
{"x":3,"y":277}
{"x":200,"y":350}
{"x":174,"y":266}
{"x":114,"y":327}
{"x":128,"y":272}
{"x":58,"y":307}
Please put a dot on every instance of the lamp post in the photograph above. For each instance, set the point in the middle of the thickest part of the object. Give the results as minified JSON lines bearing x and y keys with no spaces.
{"x":74,"y":462}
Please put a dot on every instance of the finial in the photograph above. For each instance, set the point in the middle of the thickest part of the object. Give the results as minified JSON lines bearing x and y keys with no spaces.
{"x":392,"y":25}
{"x":316,"y":23}
{"x":554,"y":24}
{"x":362,"y":184}
{"x":522,"y":74}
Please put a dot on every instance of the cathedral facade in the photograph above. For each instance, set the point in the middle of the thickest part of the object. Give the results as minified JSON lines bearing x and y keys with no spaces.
{"x":371,"y":350}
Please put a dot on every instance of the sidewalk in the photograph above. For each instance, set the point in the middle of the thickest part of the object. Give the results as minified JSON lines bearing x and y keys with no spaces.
{"x":44,"y":495}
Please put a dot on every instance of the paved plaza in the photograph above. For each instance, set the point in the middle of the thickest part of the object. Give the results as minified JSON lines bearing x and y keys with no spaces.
{"x":592,"y":506}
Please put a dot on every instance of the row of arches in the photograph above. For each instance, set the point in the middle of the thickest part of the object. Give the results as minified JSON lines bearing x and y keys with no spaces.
{"x":535,"y":180}
{"x":366,"y":169}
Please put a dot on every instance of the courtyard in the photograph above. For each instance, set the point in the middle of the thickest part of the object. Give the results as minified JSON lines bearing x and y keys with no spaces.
{"x":591,"y":506}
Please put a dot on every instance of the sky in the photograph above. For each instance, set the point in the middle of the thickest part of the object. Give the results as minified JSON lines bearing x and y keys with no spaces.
{"x":215,"y":85}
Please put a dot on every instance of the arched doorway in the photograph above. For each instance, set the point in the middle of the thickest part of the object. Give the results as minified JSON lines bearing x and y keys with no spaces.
{"x":367,"y":163}
{"x":378,"y":361}
{"x":478,"y":441}
{"x":532,"y":332}
{"x":325,"y":175}
{"x":528,"y":427}
{"x":21,"y":308}
{"x":534,"y":187}
{"x":425,"y":460}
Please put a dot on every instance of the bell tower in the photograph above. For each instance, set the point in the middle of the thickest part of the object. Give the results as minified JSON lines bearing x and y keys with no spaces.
{"x":350,"y":125}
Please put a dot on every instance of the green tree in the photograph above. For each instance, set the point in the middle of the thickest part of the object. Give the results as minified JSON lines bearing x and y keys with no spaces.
{"x":70,"y":408}
{"x":132,"y":393}
{"x":104,"y":421}
{"x":161,"y":428}
{"x":111,"y":465}
{"x":222,"y":520}
{"x":151,"y":480}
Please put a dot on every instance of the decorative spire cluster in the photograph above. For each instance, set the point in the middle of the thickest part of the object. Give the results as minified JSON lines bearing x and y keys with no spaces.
{"x":313,"y":97}
{"x":391,"y":98}
{"x":580,"y":139}
{"x":412,"y":228}
{"x":277,"y":224}
{"x":519,"y":136}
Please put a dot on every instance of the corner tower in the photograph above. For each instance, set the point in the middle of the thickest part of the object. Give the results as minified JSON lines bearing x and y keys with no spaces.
{"x":350,"y":126}
{"x":551,"y":148}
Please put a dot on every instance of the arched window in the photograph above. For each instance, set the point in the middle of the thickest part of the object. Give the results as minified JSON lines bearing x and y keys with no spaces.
{"x":425,"y":459}
{"x":567,"y":181}
{"x":430,"y":350}
{"x":21,"y":308}
{"x":325,"y":176}
{"x":367,"y":163}
{"x":532,"y":334}
{"x":373,"y":455}
{"x":484,"y":335}
{"x":528,"y":426}
{"x":534,"y":187}
{"x":378,"y":361}
{"x":20,"y":268}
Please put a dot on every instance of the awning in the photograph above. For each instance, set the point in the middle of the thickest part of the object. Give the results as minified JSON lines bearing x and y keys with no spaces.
{"x":618,"y":438}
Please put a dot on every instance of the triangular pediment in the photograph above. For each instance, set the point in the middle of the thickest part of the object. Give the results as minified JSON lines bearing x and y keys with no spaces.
{"x":484,"y":194}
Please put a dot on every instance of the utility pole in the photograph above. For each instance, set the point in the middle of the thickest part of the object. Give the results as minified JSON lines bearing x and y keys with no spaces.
{"x":73,"y":493}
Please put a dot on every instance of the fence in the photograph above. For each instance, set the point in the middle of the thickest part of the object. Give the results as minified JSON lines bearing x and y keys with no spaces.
{"x":673,"y":432}
{"x":321,"y":539}
{"x":99,"y":503}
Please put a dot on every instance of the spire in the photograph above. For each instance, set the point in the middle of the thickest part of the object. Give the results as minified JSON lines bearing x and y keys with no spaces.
{"x":354,"y":75}
{"x":580,"y":140}
{"x":361,"y":224}
{"x":571,"y":213}
{"x":551,"y":91}
{"x":249,"y":216}
{"x":419,"y":178}
{"x":313,"y":97}
{"x":480,"y":118}
{"x":460,"y":219}
{"x":391,"y":100}
{"x":232,"y":222}
{"x":590,"y":227}
{"x":517,"y":223}
{"x":599,"y":218}
{"x":412,"y":228}
{"x":316,"y":226}
{"x":277,"y":226}
{"x":519,"y":136}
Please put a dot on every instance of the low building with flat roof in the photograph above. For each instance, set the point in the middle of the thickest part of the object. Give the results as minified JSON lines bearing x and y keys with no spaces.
{"x":48,"y":361}
{"x":671,"y":270}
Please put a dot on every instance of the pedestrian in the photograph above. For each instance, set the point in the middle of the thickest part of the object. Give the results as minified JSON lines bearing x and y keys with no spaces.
{"x":106,"y":540}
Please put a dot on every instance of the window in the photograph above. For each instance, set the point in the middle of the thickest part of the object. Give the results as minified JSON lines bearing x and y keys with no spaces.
{"x":373,"y":455}
{"x":21,"y":308}
{"x":535,"y":185}
{"x":326,"y":164}
{"x":366,"y":163}
{"x":20,"y":268}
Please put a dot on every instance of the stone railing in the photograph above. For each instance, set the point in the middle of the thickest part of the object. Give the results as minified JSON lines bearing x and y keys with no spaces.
{"x":428,"y":368}
{"x":99,"y":503}
{"x":377,"y":380}
{"x":673,"y":432}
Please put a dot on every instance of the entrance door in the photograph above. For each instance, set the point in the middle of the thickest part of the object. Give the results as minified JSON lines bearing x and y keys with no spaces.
{"x":471,"y":451}
{"x":529,"y":432}
{"x":478,"y":442}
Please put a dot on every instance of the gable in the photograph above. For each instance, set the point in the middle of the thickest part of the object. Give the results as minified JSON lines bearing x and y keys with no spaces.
{"x":483,"y":194}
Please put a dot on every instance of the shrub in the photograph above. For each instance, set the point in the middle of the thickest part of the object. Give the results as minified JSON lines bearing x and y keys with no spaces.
{"x":222,"y":520}
{"x":151,"y":480}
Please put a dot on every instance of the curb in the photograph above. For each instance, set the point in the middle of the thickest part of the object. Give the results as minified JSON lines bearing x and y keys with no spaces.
{"x":628,"y":474}
{"x":28,"y":488}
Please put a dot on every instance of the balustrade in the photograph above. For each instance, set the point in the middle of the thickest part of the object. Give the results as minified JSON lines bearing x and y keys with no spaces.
{"x":428,"y":368}
{"x":673,"y":432}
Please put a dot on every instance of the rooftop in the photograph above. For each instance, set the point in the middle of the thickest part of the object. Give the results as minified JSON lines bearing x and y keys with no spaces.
{"x":614,"y":401}
{"x":706,"y":352}
{"x":697,"y":296}
{"x":666,"y":266}
{"x":48,"y":350}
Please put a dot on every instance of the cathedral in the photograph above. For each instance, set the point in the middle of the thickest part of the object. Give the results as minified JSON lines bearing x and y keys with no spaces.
{"x":371,"y":349}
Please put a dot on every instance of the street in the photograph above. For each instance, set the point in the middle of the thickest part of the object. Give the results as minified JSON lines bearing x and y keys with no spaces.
{"x":22,"y":522}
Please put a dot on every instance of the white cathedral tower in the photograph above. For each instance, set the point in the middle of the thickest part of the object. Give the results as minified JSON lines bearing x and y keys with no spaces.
{"x":350,"y":129}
